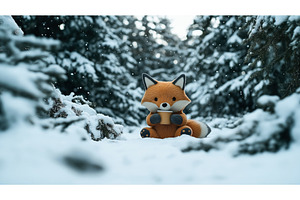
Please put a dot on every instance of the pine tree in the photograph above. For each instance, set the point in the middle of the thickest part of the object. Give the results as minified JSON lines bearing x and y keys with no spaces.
{"x":214,"y":57}
{"x":98,"y":61}
{"x":26,"y":77}
{"x":155,"y":48}
{"x":268,"y":81}
{"x":274,"y":52}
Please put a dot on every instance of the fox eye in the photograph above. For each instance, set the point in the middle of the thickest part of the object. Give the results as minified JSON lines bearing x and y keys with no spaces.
{"x":174,"y":98}
{"x":155,"y":99}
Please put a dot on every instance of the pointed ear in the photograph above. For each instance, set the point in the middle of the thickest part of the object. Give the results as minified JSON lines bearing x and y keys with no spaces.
{"x":148,"y":81}
{"x":180,"y":81}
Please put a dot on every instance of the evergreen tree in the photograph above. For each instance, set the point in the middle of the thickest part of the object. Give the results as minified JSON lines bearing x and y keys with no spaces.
{"x":25,"y":76}
{"x":274,"y":53}
{"x":155,"y":48}
{"x":97,"y":58}
{"x":215,"y":56}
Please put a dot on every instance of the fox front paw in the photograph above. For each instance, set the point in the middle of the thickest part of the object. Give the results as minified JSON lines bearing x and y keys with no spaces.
{"x":176,"y":119}
{"x":145,"y":133}
{"x":155,"y":119}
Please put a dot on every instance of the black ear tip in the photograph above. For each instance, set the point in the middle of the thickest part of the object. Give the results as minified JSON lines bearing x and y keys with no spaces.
{"x":145,"y":75}
{"x":146,"y":78}
{"x":180,"y":77}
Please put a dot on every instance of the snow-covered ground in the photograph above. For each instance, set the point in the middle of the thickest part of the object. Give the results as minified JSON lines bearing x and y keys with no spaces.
{"x":30,"y":155}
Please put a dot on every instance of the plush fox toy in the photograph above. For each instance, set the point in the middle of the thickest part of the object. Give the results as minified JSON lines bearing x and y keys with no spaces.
{"x":166,"y":101}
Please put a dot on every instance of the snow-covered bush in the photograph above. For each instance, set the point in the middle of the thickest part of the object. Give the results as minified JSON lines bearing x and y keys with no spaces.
{"x":25,"y":77}
{"x":73,"y":114}
{"x":270,"y":128}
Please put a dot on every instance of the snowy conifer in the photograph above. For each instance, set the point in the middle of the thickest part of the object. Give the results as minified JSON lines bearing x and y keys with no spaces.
{"x":214,"y":57}
{"x":96,"y":55}
{"x":25,"y":76}
{"x":274,"y":53}
{"x":155,"y":48}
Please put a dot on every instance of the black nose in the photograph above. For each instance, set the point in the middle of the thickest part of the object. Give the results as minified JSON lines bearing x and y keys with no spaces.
{"x":164,"y":105}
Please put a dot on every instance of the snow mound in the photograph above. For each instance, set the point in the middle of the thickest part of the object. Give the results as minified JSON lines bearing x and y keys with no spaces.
{"x":73,"y":114}
{"x":271,"y":128}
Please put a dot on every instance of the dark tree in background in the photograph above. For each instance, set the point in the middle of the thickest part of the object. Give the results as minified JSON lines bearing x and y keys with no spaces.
{"x":237,"y":59}
{"x":274,"y":50}
{"x":104,"y":57}
{"x":155,"y":48}
{"x":96,"y":54}
{"x":214,"y":57}
{"x":230,"y":61}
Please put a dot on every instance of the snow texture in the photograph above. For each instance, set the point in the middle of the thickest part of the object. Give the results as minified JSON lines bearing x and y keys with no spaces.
{"x":49,"y":157}
{"x":234,"y":39}
{"x":31,"y":155}
{"x":8,"y":23}
{"x":81,"y":118}
{"x":19,"y":78}
{"x":280,"y":19}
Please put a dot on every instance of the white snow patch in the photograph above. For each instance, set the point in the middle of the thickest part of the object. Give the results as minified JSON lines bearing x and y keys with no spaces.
{"x":296,"y":32}
{"x":265,"y":99}
{"x":35,"y":156}
{"x":279,"y":19}
{"x":19,"y":78}
{"x":8,"y":24}
{"x":234,"y":39}
{"x":208,"y":37}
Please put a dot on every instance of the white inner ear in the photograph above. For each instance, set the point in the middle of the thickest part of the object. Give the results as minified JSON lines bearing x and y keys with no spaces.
{"x":148,"y":82}
{"x":180,"y":82}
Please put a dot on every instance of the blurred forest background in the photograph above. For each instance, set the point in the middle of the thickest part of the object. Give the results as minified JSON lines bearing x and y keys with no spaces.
{"x":97,"y":62}
{"x":232,"y":59}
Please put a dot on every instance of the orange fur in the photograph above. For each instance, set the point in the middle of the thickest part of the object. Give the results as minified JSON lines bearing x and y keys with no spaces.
{"x":164,"y":91}
{"x":195,"y":127}
{"x":158,"y":93}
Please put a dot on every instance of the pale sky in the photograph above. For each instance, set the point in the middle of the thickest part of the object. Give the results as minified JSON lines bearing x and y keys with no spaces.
{"x":180,"y":24}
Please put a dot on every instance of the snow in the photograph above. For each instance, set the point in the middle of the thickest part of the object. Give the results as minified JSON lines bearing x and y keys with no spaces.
{"x":111,"y":43}
{"x":77,"y":109}
{"x":236,"y":83}
{"x":294,"y":18}
{"x":227,"y":56}
{"x":81,"y":64}
{"x":16,"y":109}
{"x":285,"y":107}
{"x":259,"y":19}
{"x":53,"y":68}
{"x":208,"y":37}
{"x":234,"y":39}
{"x":296,"y":32}
{"x":8,"y":23}
{"x":279,"y":19}
{"x":18,"y":78}
{"x":33,"y":156}
{"x":265,"y":99}
{"x":30,"y":154}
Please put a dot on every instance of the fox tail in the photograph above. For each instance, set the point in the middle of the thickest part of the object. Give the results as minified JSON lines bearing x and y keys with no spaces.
{"x":200,"y":129}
